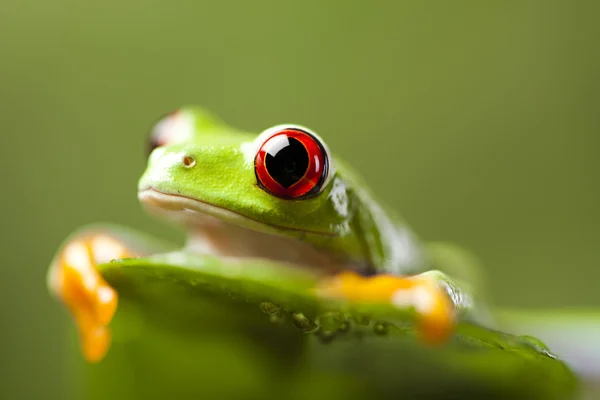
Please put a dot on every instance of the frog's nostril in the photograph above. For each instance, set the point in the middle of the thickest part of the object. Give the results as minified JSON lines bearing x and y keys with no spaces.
{"x":189,"y":161}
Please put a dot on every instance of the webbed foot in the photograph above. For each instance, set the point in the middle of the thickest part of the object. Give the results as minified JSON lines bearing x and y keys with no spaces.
{"x":73,"y":278}
{"x":426,"y":293}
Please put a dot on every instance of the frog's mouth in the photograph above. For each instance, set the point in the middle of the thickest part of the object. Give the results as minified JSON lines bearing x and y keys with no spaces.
{"x":221,"y":232}
{"x":197,"y":212}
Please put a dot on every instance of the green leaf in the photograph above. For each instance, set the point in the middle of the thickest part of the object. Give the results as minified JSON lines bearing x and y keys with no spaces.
{"x":216,"y":329}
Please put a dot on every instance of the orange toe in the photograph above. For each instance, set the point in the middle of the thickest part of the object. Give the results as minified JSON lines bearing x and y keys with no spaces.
{"x":436,"y":313}
{"x":105,"y":304}
{"x":434,"y":307}
{"x":89,"y":298}
{"x":95,"y":342}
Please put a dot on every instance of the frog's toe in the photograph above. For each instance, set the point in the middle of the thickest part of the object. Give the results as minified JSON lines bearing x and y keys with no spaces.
{"x":433,"y":305}
{"x":105,"y":304}
{"x":95,"y":342}
{"x":90,"y":299}
{"x":423,"y":293}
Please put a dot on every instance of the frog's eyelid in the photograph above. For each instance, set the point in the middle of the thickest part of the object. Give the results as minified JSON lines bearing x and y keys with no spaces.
{"x":174,"y":128}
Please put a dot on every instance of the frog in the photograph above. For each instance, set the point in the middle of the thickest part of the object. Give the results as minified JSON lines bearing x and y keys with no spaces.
{"x":279,"y":196}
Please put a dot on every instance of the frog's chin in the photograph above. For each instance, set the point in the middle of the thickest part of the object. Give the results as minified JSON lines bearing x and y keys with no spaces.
{"x":217,"y":231}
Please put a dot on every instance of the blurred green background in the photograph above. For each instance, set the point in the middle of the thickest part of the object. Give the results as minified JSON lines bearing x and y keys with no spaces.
{"x":478,"y":121}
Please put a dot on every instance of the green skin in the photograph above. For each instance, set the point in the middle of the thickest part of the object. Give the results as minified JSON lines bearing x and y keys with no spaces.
{"x":343,"y":221}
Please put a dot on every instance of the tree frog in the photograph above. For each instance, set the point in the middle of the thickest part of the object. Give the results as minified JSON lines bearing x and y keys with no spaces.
{"x":280,"y":195}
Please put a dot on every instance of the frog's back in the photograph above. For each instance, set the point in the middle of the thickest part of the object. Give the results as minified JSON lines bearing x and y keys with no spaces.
{"x":392,"y":245}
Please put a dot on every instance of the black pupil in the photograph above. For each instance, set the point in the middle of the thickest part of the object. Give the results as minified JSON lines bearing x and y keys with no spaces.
{"x":288,"y":164}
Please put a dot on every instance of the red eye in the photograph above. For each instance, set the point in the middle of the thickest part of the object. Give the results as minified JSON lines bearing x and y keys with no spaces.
{"x":291,"y":164}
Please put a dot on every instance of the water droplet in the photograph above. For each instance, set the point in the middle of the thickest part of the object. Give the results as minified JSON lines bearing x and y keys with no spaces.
{"x":381,"y":328}
{"x":277,"y":318}
{"x":303,"y":323}
{"x":331,"y":320}
{"x":361,"y":319}
{"x":534,"y":341}
{"x":326,"y":336}
{"x":344,"y":326}
{"x":232,"y":295}
{"x":537,"y":345}
{"x":269,"y":308}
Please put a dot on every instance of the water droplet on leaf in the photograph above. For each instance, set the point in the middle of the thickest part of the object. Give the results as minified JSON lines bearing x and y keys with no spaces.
{"x":269,"y":308}
{"x":303,"y":323}
{"x":361,"y":319}
{"x":344,"y":326}
{"x":326,"y":336}
{"x":381,"y":328}
{"x":277,"y":318}
{"x":537,"y":344}
{"x":331,"y":320}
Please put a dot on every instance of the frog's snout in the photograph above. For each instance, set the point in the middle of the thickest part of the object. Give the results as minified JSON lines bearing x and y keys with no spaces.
{"x":163,"y":167}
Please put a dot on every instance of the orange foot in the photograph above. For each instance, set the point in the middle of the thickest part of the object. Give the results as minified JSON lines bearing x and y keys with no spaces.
{"x":73,"y":277}
{"x":424,"y":292}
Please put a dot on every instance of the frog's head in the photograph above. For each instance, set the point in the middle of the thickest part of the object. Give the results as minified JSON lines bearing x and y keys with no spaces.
{"x":281,"y":182}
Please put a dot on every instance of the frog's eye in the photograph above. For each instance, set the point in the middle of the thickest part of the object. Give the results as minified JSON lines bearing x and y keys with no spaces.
{"x":291,"y":163}
{"x":176,"y":127}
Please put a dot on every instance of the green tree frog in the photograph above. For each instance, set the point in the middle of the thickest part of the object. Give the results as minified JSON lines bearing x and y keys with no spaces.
{"x":280,"y":195}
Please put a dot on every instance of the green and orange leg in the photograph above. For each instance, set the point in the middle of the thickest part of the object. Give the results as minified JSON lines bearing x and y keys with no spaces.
{"x":432,"y":295}
{"x":74,"y":279}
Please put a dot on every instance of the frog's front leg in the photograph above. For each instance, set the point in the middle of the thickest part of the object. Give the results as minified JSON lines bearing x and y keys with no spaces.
{"x":434,"y":297}
{"x":74,"y":279}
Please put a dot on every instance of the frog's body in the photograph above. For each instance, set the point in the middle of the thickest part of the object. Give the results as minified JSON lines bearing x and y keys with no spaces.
{"x":343,"y":221}
{"x":280,"y":196}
